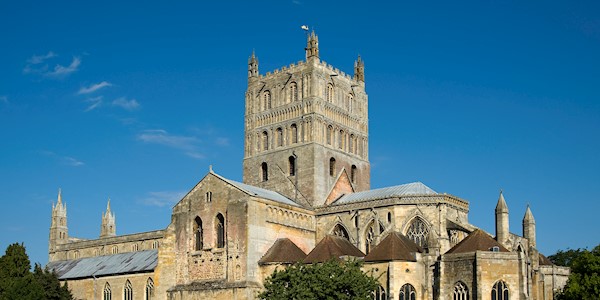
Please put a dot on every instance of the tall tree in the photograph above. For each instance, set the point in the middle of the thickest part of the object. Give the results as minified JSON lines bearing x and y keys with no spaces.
{"x":329,"y":280}
{"x":584,"y":281}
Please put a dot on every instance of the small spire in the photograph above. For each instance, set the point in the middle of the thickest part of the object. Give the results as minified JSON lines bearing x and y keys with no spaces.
{"x":210,"y":170}
{"x":108,"y":206}
{"x":501,"y":206}
{"x":312,"y":46}
{"x":359,"y":70}
{"x":528,"y":215}
{"x":59,"y":201}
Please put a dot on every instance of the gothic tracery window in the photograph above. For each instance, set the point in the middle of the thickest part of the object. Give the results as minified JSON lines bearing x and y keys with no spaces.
{"x":128,"y":291}
{"x":408,"y":292}
{"x":500,"y":291}
{"x":461,"y":291}
{"x":107,"y":293}
{"x":198,"y":234}
{"x":379,"y":293}
{"x":220,"y":229}
{"x":149,"y":289}
{"x":418,"y":232}
{"x":339,"y":230}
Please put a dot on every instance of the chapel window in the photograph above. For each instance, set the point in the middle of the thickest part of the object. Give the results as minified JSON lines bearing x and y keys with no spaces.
{"x":128,"y":291}
{"x":461,"y":291}
{"x":500,"y":291}
{"x":418,"y":232}
{"x":220,"y":229}
{"x":265,"y":171}
{"x":149,"y":289}
{"x":379,"y":293}
{"x":107,"y":293}
{"x":332,"y":166}
{"x":198,"y":234}
{"x":293,"y":92}
{"x":292,"y":162}
{"x":408,"y":292}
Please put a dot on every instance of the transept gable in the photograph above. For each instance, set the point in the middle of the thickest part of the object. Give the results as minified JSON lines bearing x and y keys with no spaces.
{"x":342,"y":186}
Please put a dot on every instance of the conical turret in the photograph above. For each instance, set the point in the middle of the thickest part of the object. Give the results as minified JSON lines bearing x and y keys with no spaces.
{"x":502,"y":227}
{"x":108,"y":228}
{"x":529,"y":227}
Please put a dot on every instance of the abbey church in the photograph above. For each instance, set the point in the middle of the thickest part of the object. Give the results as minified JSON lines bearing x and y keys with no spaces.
{"x":305,"y":197}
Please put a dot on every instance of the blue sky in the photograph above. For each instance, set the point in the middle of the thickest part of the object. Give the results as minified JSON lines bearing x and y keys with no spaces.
{"x":135,"y":101}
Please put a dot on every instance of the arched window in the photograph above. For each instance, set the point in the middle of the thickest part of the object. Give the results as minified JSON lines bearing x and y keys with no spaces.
{"x":279,"y":137}
{"x":353,"y":173}
{"x":379,"y":294}
{"x":350,"y":102}
{"x":500,"y":291}
{"x":332,"y":166}
{"x":265,"y":140}
{"x":128,"y":291}
{"x":135,"y":247}
{"x":408,"y":292}
{"x":461,"y":291}
{"x":370,"y":234}
{"x":114,"y":250}
{"x":267,"y":100}
{"x":265,"y":171}
{"x":293,"y":92}
{"x":155,"y":245}
{"x":198,"y":234}
{"x":418,"y":232}
{"x":329,"y":93}
{"x":149,"y":289}
{"x":339,"y":230}
{"x":341,"y":139}
{"x":292,"y":161}
{"x":329,"y":134}
{"x":351,"y":144}
{"x":220,"y":229}
{"x":294,"y":129}
{"x":107,"y":293}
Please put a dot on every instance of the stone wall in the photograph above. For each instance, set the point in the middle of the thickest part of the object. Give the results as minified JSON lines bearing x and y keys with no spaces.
{"x":93,"y":288}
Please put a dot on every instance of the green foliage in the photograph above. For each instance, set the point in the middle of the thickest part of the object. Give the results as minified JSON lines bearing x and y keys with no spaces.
{"x":565,"y":258}
{"x":329,"y":280}
{"x":17,"y":282}
{"x":584,"y":281}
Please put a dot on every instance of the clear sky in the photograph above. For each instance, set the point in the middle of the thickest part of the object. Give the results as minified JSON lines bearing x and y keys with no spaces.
{"x":135,"y":101}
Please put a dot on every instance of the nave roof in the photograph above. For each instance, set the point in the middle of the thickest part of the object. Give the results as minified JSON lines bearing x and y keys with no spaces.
{"x":124,"y":263}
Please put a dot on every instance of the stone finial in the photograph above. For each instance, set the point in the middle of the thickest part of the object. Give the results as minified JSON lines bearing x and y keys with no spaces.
{"x":359,"y":70}
{"x":252,"y":65}
{"x":312,"y":46}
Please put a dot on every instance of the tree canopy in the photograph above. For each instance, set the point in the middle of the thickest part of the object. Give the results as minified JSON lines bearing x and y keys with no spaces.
{"x":329,"y":280}
{"x":584,"y":281}
{"x":17,"y":282}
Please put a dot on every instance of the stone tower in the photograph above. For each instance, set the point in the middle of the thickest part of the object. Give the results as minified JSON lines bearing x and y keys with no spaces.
{"x":502,"y":227}
{"x":306,"y":126}
{"x":59,"y":232}
{"x":529,"y":227}
{"x":108,"y":228}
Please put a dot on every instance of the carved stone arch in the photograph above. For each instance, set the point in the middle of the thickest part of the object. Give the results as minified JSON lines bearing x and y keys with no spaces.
{"x":340,"y":230}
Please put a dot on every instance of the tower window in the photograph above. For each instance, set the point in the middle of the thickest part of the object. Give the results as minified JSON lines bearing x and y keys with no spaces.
{"x":267,"y":100}
{"x":329,"y":134}
{"x":352,"y":144}
{"x":265,"y":140}
{"x":220,"y":229}
{"x":294,"y":133}
{"x":353,"y":173}
{"x":293,"y":92}
{"x":329,"y":93}
{"x":198,"y":234}
{"x":341,"y":140}
{"x":279,"y":137}
{"x":350,"y":102}
{"x":332,"y":166}
{"x":265,"y":171}
{"x":292,"y":161}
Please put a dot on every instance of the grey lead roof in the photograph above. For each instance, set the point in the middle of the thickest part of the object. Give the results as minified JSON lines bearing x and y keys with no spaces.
{"x":260,"y":192}
{"x":414,"y":188}
{"x":125,"y":263}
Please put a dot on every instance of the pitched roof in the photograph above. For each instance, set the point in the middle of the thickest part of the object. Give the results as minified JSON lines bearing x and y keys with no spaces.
{"x":478,"y":240}
{"x":395,"y":246}
{"x":544,"y":261}
{"x":258,"y":192}
{"x":332,"y":246}
{"x":283,"y":251}
{"x":415,"y":188}
{"x":125,"y":263}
